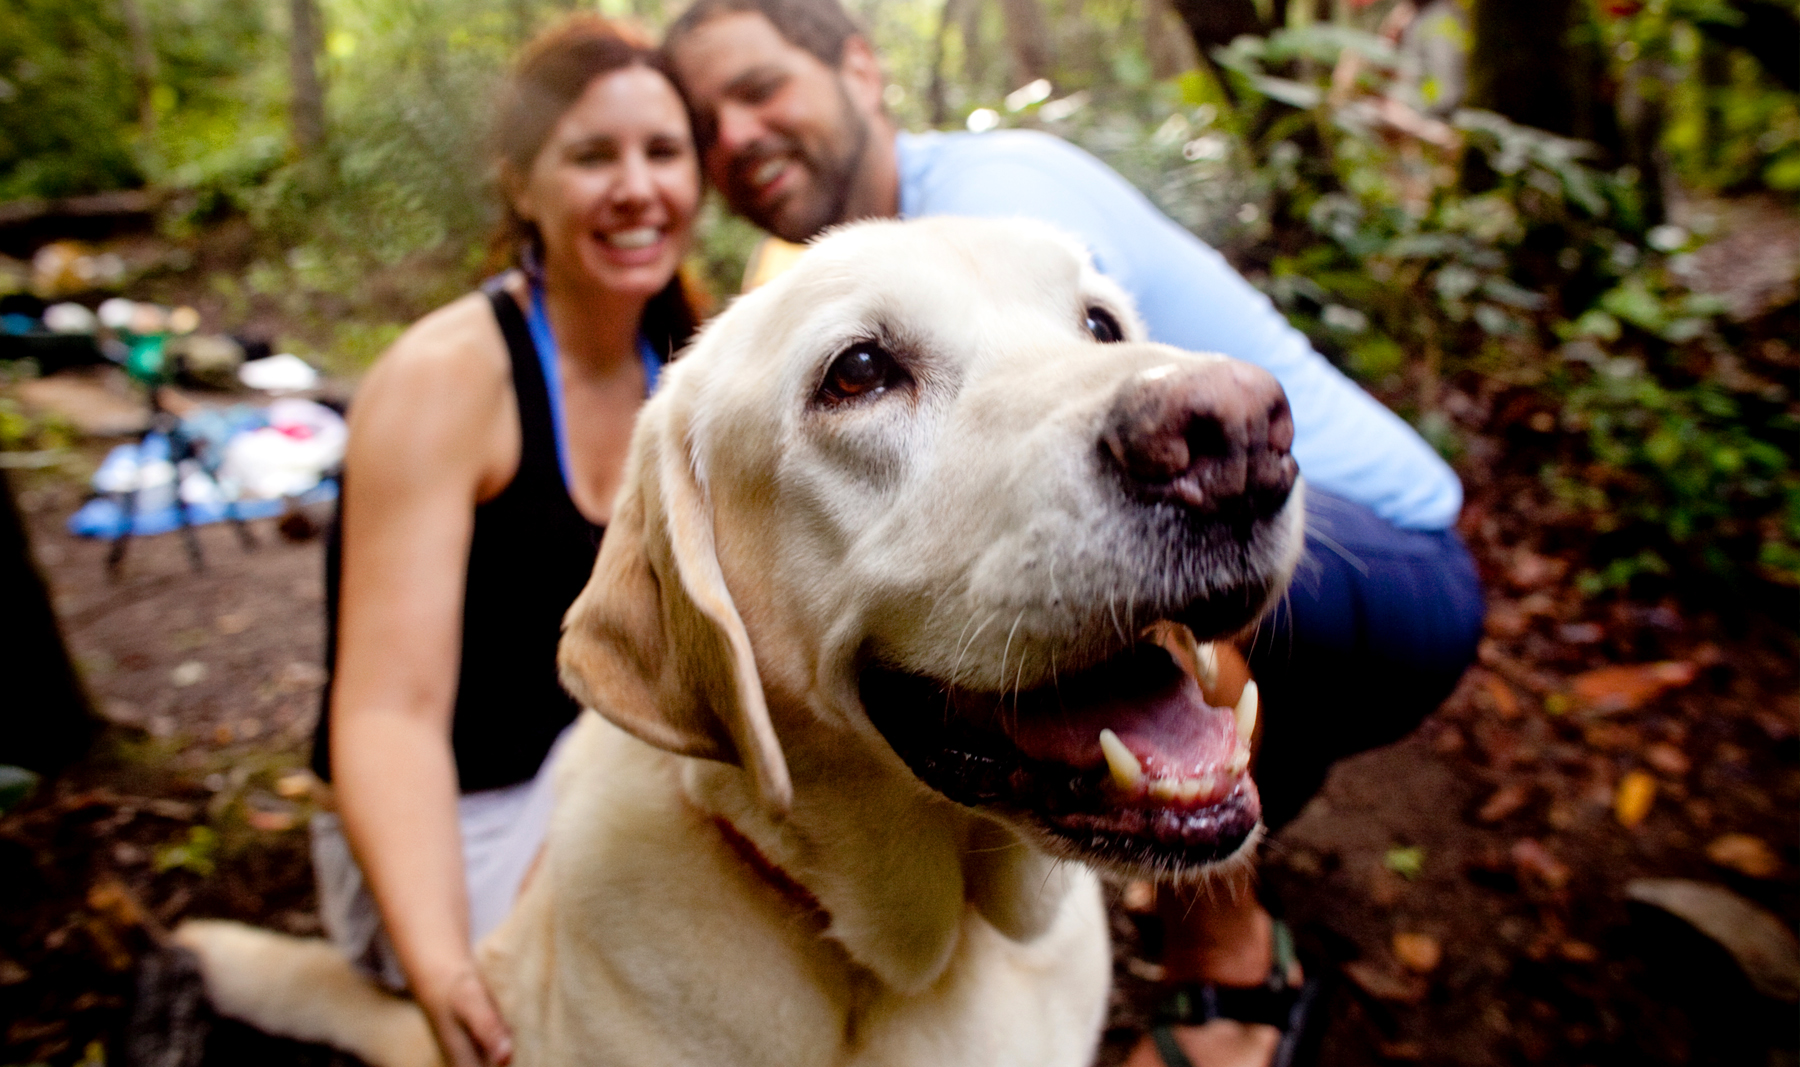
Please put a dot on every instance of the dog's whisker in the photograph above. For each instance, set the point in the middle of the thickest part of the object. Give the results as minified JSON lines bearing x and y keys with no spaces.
{"x":1007,"y":649}
{"x":956,"y":671}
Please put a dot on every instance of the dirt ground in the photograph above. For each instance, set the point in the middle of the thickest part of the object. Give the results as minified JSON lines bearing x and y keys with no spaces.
{"x":1463,"y":890}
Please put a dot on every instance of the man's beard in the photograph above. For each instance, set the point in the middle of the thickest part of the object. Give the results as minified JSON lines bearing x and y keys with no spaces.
{"x":825,"y":201}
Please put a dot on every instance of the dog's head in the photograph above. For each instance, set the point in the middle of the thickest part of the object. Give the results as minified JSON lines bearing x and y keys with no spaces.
{"x":933,"y":493}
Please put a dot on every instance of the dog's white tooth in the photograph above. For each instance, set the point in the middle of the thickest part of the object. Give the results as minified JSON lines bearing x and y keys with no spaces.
{"x":1206,"y":662}
{"x":1207,"y":786}
{"x":1127,"y":773}
{"x":1190,"y":789}
{"x":1240,"y":759}
{"x":1166,"y":788}
{"x":1246,"y":713}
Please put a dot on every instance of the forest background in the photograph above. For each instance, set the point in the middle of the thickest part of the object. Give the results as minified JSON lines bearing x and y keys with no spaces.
{"x":1545,"y":221}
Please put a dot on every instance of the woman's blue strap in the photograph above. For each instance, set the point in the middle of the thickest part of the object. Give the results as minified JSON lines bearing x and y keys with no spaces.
{"x":544,"y":341}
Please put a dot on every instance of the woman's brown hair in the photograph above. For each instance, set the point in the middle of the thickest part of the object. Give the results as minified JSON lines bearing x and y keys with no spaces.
{"x":548,"y":78}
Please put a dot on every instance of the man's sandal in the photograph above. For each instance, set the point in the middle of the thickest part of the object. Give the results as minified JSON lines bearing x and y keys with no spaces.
{"x":1278,"y":1002}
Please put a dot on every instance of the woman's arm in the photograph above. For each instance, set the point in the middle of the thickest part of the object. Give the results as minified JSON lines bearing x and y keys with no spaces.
{"x":433,"y":431}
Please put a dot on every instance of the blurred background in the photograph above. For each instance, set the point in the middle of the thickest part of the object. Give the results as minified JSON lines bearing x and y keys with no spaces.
{"x":1560,"y":237}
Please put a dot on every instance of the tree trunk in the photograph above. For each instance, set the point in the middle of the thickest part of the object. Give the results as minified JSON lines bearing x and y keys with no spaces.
{"x":307,"y":114}
{"x":1216,"y":23}
{"x":1027,"y":39}
{"x":1171,"y":51}
{"x":1769,"y":32}
{"x":1526,"y":66}
{"x":143,"y":62}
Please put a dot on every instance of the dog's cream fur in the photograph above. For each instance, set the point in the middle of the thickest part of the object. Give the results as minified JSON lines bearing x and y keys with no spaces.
{"x":764,"y":546}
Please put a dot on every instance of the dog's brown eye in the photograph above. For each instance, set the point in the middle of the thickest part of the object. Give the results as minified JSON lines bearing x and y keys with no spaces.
{"x":862,"y":370}
{"x":1104,"y":327}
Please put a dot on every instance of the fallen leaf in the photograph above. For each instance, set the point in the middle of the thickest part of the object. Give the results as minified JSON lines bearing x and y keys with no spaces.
{"x":1532,"y":860}
{"x":1667,"y":759}
{"x":1762,"y":944}
{"x":1407,"y":861}
{"x":273,"y":822}
{"x":1578,"y":952}
{"x":1383,"y":983}
{"x":1506,"y":702}
{"x":114,"y":901}
{"x":1506,"y":800}
{"x":1530,"y":570}
{"x":1608,"y":690}
{"x":1633,"y":797}
{"x":1744,"y":854}
{"x":1504,"y":619}
{"x":1611,"y":737}
{"x":300,"y":783}
{"x":1419,"y":953}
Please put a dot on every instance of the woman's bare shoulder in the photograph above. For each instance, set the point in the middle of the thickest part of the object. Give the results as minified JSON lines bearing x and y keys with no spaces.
{"x":459,"y":344}
{"x":441,"y":385}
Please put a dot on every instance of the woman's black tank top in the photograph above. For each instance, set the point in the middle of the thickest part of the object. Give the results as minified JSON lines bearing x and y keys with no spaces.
{"x":531,"y":553}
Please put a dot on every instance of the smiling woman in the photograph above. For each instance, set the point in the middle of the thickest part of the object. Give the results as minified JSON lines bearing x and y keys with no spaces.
{"x":485,"y":449}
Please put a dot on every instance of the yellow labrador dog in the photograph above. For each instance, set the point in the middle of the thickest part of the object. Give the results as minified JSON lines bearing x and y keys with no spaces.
{"x":904,"y":607}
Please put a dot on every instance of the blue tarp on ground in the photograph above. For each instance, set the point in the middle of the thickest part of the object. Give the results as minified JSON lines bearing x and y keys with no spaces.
{"x":103,"y":517}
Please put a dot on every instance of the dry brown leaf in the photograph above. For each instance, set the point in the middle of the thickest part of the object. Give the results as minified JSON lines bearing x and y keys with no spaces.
{"x":1744,"y":854}
{"x":1633,"y":797}
{"x":1506,"y":800}
{"x":295,"y":785}
{"x":272,"y":822}
{"x":1626,"y":687}
{"x":115,"y":902}
{"x":1667,"y":759}
{"x":1578,"y":952}
{"x":1419,"y":953}
{"x":1506,"y":702}
{"x":1383,"y":983}
{"x":1534,"y":861}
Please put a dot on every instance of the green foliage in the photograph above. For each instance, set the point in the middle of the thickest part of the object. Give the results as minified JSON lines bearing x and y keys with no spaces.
{"x":1725,"y":125}
{"x":67,"y":103}
{"x":196,"y":852}
{"x":1486,"y":250}
{"x":24,"y":431}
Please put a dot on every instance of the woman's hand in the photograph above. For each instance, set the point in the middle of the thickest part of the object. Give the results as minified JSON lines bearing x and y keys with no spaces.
{"x":464,"y":1016}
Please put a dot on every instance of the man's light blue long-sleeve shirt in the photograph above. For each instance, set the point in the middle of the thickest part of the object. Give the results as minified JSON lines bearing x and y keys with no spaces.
{"x":1345,"y":442}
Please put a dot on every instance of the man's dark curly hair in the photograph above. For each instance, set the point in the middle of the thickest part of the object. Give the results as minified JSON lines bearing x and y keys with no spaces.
{"x":819,"y":26}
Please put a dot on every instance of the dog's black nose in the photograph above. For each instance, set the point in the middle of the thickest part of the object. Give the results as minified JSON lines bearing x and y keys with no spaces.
{"x":1211,"y":437}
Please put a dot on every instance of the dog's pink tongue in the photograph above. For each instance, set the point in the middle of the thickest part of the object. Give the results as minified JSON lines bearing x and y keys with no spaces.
{"x":1172,"y":731}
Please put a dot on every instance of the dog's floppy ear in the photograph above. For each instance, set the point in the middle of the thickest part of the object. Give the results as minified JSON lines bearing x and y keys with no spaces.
{"x":654,"y":642}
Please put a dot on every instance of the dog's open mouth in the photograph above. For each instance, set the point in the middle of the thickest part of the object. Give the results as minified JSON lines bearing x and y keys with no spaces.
{"x":1124,"y":763}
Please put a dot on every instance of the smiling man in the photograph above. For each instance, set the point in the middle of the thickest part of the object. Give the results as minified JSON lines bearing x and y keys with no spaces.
{"x":1385,"y":612}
